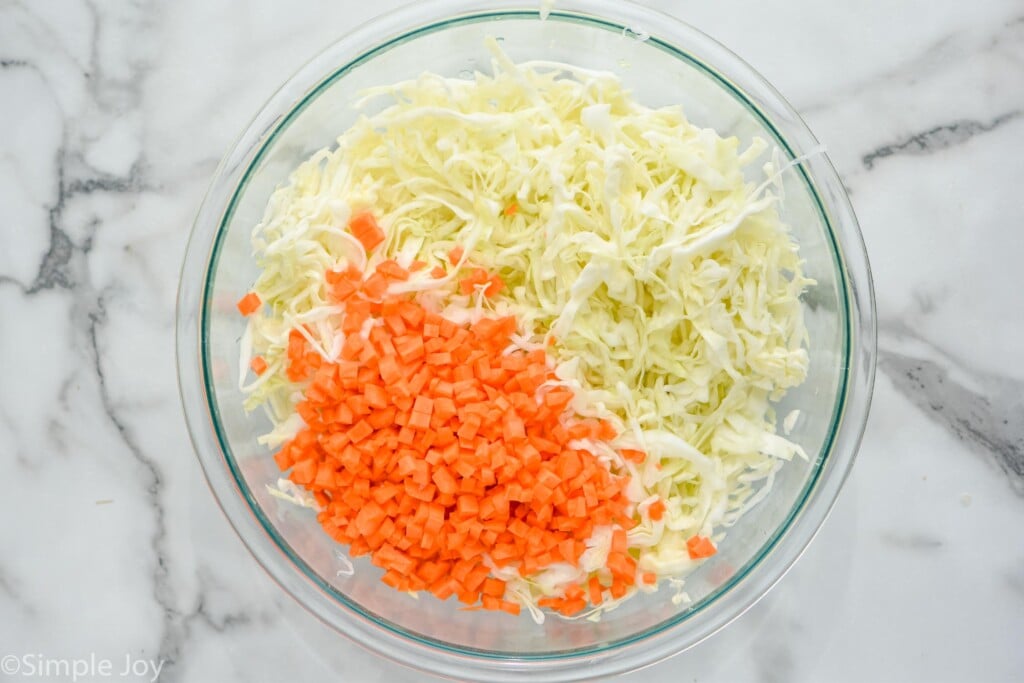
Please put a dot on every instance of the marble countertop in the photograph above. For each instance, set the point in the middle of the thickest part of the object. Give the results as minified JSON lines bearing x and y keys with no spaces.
{"x":114,"y":115}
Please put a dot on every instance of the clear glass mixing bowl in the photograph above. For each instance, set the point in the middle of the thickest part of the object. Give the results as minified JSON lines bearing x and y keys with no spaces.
{"x":664,"y":62}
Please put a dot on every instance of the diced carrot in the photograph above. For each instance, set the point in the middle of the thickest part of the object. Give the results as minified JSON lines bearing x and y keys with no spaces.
{"x":420,"y":421}
{"x":446,"y":483}
{"x":375,"y":286}
{"x":249,"y":304}
{"x":621,"y":565}
{"x":423,"y":404}
{"x":392,"y":271}
{"x":496,"y":284}
{"x":468,"y":505}
{"x":440,"y":358}
{"x":594,"y":591}
{"x":304,"y":472}
{"x":360,"y":310}
{"x":656,"y":510}
{"x":619,"y":543}
{"x":493,"y":587}
{"x":606,"y":431}
{"x":369,"y":518}
{"x":258,"y":364}
{"x":376,"y":396}
{"x":364,"y":227}
{"x":700,"y":547}
{"x":360,"y":431}
{"x":512,"y":608}
{"x":350,"y":273}
{"x":343,"y":284}
{"x":633,"y":455}
{"x":389,"y":370}
{"x":455,"y":255}
{"x":395,"y":324}
{"x":479,"y":276}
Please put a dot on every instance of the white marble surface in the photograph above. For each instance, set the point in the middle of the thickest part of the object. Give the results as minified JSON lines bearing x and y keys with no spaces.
{"x":114,"y":114}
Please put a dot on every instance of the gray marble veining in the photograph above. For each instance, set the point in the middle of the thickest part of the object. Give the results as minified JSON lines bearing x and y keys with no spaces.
{"x":938,"y":138}
{"x":988,"y":422}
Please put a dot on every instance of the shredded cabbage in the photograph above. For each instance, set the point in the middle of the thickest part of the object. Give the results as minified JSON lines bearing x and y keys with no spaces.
{"x":663,"y":279}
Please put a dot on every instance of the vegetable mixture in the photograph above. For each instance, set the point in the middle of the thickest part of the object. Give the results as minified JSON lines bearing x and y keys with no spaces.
{"x":519,"y":338}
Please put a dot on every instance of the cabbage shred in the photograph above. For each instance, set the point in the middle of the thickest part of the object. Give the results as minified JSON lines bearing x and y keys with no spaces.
{"x":631,"y":243}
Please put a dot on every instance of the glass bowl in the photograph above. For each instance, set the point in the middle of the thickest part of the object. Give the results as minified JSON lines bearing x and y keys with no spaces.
{"x":664,"y":62}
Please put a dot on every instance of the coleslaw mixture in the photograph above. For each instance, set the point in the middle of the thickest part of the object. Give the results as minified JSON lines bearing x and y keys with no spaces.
{"x":661,"y":282}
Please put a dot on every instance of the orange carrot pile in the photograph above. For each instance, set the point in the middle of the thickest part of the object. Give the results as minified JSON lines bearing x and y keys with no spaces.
{"x":428,"y":447}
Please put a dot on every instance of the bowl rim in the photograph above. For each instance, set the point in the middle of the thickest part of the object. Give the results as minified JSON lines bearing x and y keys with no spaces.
{"x":246,"y":517}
